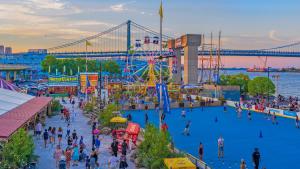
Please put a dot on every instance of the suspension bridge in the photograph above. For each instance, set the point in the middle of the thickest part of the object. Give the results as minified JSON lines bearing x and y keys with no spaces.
{"x":130,"y":36}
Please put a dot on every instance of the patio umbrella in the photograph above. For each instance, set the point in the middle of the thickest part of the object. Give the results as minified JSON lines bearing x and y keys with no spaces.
{"x":118,"y":119}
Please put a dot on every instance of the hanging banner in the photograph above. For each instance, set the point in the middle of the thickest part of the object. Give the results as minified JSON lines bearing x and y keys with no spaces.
{"x":89,"y":82}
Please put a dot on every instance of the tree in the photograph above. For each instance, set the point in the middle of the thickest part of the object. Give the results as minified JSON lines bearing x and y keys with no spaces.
{"x":73,"y":64}
{"x":49,"y":61}
{"x":154,"y":147}
{"x":236,"y":80}
{"x":107,"y":114}
{"x":18,"y":151}
{"x":261,"y":86}
{"x":111,"y":66}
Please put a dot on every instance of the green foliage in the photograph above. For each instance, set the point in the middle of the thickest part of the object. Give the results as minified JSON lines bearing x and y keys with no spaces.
{"x":236,"y":80}
{"x":107,"y":114}
{"x":261,"y":86}
{"x":154,"y":148}
{"x":72,"y":65}
{"x":89,"y":106}
{"x":18,"y":151}
{"x":56,"y":106}
{"x":111,"y":66}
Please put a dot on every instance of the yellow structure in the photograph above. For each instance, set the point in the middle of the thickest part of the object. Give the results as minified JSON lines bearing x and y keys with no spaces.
{"x":179,"y":163}
{"x":151,"y":74}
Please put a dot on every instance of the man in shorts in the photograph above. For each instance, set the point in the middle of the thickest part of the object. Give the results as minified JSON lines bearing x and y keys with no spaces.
{"x":221,"y":147}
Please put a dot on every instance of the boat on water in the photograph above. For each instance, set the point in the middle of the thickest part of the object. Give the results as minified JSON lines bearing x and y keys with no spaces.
{"x":255,"y":69}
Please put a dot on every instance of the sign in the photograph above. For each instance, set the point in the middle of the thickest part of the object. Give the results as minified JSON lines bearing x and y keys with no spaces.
{"x":89,"y":82}
{"x":62,"y":80}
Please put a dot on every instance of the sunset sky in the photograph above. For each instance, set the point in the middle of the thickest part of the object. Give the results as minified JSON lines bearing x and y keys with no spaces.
{"x":245,"y":24}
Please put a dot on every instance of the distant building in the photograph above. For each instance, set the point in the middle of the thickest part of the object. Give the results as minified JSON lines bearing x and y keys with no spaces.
{"x":8,"y":50}
{"x":1,"y":49}
{"x":37,"y":51}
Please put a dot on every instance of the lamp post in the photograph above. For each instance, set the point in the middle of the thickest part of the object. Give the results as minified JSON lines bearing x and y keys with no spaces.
{"x":268,"y":86}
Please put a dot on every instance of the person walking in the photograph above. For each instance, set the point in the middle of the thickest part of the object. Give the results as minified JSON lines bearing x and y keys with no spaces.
{"x":68,"y":155}
{"x":256,"y":158}
{"x":97,"y":143}
{"x":243,"y":164}
{"x":57,"y":155}
{"x":114,"y":147}
{"x":124,"y":147}
{"x":62,"y":163}
{"x":186,"y":130}
{"x":53,"y":134}
{"x":59,"y":135}
{"x":75,"y":155}
{"x":46,"y":137}
{"x":201,"y":151}
{"x":38,"y":130}
{"x":146,"y":118}
{"x":68,"y":131}
{"x":221,"y":147}
{"x":123,"y":162}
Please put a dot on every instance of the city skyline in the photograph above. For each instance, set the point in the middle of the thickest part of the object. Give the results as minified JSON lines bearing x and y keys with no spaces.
{"x":244,"y":24}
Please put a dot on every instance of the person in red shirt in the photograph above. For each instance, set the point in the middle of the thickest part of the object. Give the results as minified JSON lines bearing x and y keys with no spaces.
{"x":164,"y":127}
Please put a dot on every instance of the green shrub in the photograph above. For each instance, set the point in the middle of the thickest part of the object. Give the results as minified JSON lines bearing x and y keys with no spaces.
{"x":56,"y":106}
{"x":18,"y":151}
{"x":107,"y":114}
{"x":154,"y":148}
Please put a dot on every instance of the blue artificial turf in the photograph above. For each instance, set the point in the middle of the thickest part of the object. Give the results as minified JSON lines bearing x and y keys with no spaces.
{"x":279,"y":145}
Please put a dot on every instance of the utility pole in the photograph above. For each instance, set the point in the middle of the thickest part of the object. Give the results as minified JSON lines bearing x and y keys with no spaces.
{"x":210,"y":58}
{"x":268,"y":86}
{"x":219,"y":57}
{"x":100,"y":86}
{"x":202,"y":58}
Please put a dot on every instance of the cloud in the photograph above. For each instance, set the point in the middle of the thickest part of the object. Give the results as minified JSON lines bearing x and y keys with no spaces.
{"x":46,"y":4}
{"x":120,"y":7}
{"x":272,"y":36}
{"x":91,"y":23}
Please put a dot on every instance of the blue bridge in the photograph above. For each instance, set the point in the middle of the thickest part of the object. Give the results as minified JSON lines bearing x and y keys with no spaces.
{"x":119,"y":40}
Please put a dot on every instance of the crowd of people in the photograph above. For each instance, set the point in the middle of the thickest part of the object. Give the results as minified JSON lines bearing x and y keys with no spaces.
{"x":70,"y":148}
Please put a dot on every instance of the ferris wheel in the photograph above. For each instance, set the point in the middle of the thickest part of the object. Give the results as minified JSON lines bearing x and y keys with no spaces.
{"x":141,"y":63}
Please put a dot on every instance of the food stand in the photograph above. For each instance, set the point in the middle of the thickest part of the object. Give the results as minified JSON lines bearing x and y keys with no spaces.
{"x":62,"y":84}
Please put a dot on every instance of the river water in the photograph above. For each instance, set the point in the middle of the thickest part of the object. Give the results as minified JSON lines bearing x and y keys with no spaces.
{"x":288,"y":82}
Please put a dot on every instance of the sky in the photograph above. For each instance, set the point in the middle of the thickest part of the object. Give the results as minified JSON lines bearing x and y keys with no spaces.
{"x":245,"y":24}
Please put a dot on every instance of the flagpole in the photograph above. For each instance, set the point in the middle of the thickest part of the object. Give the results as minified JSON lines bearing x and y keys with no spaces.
{"x":160,"y":67}
{"x":86,"y":69}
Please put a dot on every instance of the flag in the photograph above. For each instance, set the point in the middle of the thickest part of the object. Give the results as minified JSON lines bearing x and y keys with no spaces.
{"x":160,"y":12}
{"x":87,"y":43}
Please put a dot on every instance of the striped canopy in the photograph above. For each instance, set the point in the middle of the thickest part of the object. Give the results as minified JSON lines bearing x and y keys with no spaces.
{"x":6,"y":85}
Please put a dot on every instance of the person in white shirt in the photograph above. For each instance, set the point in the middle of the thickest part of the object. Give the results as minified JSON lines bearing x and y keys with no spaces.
{"x":221,"y":147}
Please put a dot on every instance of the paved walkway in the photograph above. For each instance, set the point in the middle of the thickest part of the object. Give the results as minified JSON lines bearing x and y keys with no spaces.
{"x":80,"y":123}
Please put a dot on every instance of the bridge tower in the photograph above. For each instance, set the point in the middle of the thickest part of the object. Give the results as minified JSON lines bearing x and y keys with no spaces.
{"x":189,"y":43}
